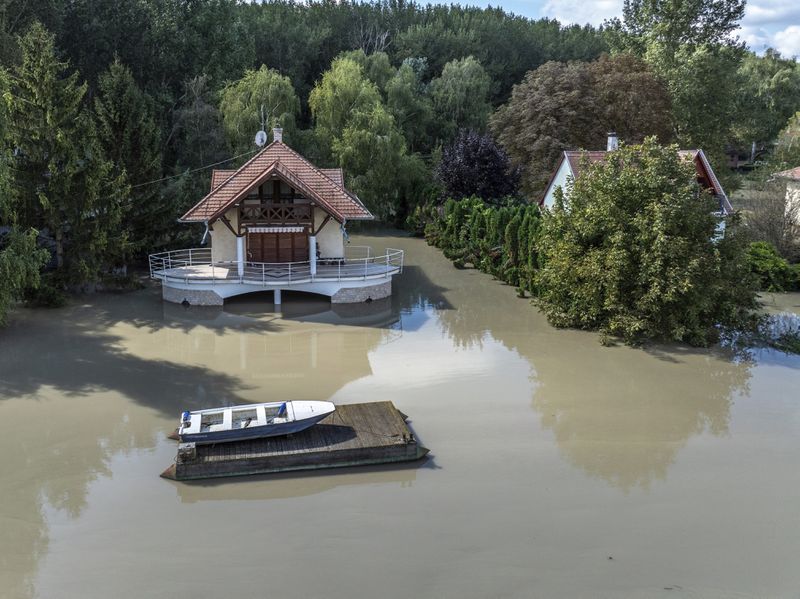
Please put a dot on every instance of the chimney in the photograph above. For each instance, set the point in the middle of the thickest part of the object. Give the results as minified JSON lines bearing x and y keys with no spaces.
{"x":613,"y":142}
{"x":277,"y":133}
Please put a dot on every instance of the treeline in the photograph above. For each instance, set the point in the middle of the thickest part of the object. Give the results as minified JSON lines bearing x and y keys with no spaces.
{"x":114,"y":110}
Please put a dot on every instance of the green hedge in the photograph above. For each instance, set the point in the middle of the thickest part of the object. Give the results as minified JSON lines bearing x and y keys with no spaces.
{"x":500,"y":240}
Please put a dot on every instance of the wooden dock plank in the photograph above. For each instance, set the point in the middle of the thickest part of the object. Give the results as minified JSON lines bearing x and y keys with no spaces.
{"x":355,"y":434}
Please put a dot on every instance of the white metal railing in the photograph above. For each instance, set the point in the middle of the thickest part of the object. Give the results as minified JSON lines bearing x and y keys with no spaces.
{"x":194,"y":266}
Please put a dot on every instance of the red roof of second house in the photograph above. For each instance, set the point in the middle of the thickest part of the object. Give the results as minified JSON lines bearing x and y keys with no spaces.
{"x":575,"y":160}
{"x":792,"y":173}
{"x":277,"y":159}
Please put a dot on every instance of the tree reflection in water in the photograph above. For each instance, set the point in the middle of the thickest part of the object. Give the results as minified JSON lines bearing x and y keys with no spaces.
{"x":73,"y":388}
{"x":618,"y":413}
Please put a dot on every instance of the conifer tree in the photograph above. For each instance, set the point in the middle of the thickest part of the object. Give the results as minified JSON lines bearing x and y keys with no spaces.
{"x":20,"y":259}
{"x":63,"y":183}
{"x":130,"y":137}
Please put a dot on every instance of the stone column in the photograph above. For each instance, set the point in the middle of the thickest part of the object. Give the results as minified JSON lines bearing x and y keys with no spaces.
{"x":312,"y":254}
{"x":240,"y":255}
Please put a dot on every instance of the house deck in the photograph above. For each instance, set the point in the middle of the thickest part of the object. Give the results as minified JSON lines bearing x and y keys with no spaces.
{"x":256,"y":275}
{"x":354,"y":435}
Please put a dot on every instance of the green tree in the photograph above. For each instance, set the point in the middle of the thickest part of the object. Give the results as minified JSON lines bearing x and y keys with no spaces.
{"x":197,"y":139}
{"x":408,"y":100}
{"x":574,"y":105}
{"x":461,"y":97}
{"x":771,"y":269}
{"x":380,"y":170}
{"x":633,"y":253}
{"x":63,"y":183}
{"x":689,"y":45}
{"x":264,"y":93}
{"x":377,"y":67}
{"x":767,"y":96}
{"x":342,"y":93}
{"x":20,"y":258}
{"x":674,"y":23}
{"x":364,"y":140}
{"x":787,"y":148}
{"x":131,"y":138}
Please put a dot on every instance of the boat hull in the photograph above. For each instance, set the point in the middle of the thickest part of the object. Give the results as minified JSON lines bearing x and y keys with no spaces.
{"x":255,"y":432}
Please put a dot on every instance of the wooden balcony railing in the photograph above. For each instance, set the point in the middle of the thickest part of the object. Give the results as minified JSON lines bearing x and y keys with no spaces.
{"x":276,"y":214}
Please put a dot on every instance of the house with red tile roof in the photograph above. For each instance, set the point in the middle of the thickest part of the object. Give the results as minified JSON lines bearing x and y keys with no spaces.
{"x":572,"y":162}
{"x":277,"y":222}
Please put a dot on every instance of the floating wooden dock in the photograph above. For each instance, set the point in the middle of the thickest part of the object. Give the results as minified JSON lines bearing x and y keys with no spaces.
{"x":354,"y":435}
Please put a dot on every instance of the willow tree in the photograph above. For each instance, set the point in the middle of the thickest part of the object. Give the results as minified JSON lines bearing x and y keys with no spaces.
{"x":260,"y":98}
{"x":461,"y":97}
{"x":633,"y":252}
{"x":63,"y":183}
{"x":363,"y":139}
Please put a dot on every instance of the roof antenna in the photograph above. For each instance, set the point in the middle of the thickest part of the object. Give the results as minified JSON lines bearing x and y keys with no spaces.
{"x":261,"y":136}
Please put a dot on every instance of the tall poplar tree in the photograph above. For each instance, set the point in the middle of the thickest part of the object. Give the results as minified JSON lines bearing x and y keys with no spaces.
{"x":63,"y":184}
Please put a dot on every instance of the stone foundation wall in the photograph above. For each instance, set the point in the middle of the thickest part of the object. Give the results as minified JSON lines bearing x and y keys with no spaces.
{"x":356,"y":295}
{"x":195,"y":297}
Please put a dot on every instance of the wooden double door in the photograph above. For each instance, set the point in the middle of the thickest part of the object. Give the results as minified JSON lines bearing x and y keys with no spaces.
{"x":277,"y":247}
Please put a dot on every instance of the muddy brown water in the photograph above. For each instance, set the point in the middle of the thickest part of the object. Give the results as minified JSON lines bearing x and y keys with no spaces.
{"x":558,"y":467}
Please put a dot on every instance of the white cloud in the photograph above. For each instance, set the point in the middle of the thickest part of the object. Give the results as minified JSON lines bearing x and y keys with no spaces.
{"x":766,"y":23}
{"x":787,"y":41}
{"x":582,"y":11}
{"x":771,"y":12}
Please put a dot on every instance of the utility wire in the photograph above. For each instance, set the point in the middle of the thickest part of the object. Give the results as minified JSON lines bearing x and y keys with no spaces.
{"x":196,"y":170}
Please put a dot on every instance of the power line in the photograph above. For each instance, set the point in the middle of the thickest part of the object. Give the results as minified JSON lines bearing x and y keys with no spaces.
{"x":196,"y":170}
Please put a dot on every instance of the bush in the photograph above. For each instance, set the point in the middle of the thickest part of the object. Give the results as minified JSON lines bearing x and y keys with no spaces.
{"x":632,"y":254}
{"x":500,"y":241}
{"x":772,"y":271}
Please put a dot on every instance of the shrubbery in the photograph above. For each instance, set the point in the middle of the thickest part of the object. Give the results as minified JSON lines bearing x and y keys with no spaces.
{"x":633,"y":253}
{"x":774,"y":272}
{"x":499,"y":240}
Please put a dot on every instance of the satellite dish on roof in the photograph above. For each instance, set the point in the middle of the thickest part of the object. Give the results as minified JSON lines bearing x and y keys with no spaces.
{"x":261,"y":138}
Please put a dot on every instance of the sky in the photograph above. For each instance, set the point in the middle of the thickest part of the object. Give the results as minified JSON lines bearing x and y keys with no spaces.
{"x":767,"y":23}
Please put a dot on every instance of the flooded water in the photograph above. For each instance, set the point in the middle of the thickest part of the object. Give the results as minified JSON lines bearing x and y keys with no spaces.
{"x":558,"y":467}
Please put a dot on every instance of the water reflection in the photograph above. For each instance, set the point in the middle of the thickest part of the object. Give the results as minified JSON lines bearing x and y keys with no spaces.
{"x":83,"y":385}
{"x":73,"y":388}
{"x":620,"y":414}
{"x":284,"y":486}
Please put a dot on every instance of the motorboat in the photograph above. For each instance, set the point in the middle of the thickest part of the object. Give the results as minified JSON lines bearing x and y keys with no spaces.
{"x":251,"y":421}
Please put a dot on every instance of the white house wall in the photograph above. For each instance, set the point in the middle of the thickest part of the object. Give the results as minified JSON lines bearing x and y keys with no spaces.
{"x":330,"y":240}
{"x":223,"y":242}
{"x":793,"y":198}
{"x":560,"y":179}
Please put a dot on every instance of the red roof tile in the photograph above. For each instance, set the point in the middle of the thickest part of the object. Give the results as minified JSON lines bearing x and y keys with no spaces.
{"x":334,"y":174}
{"x":703,"y":167}
{"x":278,"y":159}
{"x":576,"y":158}
{"x":218,"y":176}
